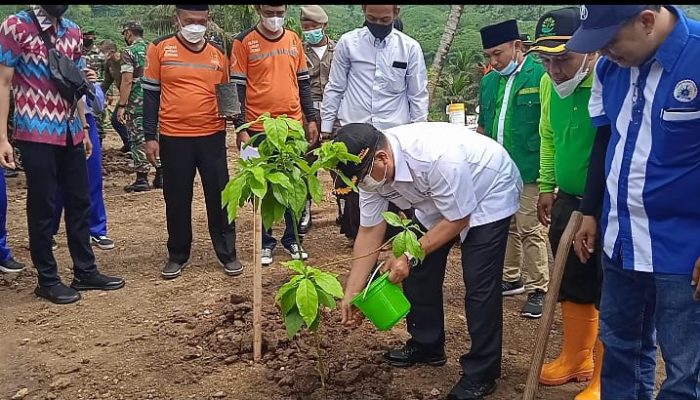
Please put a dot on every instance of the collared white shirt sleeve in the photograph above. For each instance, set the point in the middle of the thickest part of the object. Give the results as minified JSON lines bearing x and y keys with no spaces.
{"x":372,"y":205}
{"x":417,"y":85}
{"x":452,"y":188}
{"x":336,"y":86}
{"x":595,"y":104}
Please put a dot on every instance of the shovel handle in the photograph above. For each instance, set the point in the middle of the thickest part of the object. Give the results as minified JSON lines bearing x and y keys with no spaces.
{"x":550,"y":305}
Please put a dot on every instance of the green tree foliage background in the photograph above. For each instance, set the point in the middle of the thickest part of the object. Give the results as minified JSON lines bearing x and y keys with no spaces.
{"x":425,"y":23}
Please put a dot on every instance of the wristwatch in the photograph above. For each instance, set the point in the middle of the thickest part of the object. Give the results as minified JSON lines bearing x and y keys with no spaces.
{"x":412,"y":261}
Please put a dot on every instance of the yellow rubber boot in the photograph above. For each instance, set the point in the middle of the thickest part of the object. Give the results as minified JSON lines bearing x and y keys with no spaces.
{"x":575,"y":362}
{"x":592,"y":391}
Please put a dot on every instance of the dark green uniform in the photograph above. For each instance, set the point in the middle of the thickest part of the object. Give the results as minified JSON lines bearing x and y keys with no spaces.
{"x":95,"y":60}
{"x":133,"y":60}
{"x":519,"y":130}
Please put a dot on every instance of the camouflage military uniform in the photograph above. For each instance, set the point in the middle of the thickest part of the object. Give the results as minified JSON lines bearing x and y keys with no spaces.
{"x":133,"y":60}
{"x":11,"y":131}
{"x":96,"y":62}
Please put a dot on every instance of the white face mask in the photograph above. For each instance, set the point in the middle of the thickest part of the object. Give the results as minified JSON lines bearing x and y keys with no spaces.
{"x":274,"y":24}
{"x":566,"y":88}
{"x":193,"y":33}
{"x":370,"y":184}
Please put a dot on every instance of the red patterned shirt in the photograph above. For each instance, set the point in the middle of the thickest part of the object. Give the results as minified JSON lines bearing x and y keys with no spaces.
{"x":41,"y":114}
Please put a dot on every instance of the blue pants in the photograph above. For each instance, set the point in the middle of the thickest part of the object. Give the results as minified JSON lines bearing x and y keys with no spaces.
{"x":98,"y":215}
{"x":636,"y":310}
{"x":4,"y":250}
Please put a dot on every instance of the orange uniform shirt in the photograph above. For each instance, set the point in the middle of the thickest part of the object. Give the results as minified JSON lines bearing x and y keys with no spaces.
{"x":271,"y":71}
{"x":187,"y":82}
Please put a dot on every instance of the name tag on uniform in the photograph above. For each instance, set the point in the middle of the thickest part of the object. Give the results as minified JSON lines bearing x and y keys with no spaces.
{"x":529,"y":90}
{"x":400,"y":64}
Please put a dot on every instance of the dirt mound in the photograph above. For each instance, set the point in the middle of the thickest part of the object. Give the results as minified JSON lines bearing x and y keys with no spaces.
{"x":114,"y":161}
{"x":291,"y":365}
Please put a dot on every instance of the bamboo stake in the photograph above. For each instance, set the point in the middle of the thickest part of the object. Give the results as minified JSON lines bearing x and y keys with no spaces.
{"x":550,"y":305}
{"x":257,"y":283}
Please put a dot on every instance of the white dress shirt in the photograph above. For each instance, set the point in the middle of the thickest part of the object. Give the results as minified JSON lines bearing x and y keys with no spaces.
{"x":446,"y":171}
{"x":383,"y":83}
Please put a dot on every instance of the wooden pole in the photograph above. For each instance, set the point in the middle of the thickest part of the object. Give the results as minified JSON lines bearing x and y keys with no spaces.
{"x":550,"y":305}
{"x":257,"y":283}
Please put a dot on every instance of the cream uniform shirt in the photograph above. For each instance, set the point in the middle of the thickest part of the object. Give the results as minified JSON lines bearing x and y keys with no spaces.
{"x":446,"y":171}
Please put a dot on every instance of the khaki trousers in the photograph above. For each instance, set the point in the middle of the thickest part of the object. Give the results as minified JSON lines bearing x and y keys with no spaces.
{"x":527,"y":244}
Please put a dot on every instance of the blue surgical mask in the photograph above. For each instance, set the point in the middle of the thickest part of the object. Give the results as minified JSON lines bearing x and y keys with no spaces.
{"x":511,"y":67}
{"x":313,"y":36}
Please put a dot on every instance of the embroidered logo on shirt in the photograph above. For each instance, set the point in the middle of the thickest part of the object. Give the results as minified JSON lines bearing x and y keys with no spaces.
{"x":685,"y":91}
{"x":584,"y":13}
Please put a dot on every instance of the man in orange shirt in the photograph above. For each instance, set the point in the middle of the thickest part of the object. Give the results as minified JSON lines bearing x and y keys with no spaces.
{"x":269,"y":68}
{"x":179,"y":81}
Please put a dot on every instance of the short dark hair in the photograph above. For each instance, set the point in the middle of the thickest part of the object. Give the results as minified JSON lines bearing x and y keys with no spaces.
{"x":654,"y":8}
{"x":136,"y":30}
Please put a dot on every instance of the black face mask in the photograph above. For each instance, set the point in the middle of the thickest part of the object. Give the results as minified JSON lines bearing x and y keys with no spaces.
{"x":379,"y":31}
{"x":87,"y":43}
{"x":54,"y":10}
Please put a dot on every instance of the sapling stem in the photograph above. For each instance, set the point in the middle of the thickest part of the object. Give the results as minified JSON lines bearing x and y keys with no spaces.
{"x":320,"y":365}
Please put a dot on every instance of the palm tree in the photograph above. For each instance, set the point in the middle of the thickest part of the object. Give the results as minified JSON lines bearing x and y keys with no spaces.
{"x":443,"y":49}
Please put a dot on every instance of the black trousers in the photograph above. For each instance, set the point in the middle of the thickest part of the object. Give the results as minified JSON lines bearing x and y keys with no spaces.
{"x":181,"y":158}
{"x":48,"y":168}
{"x":581,"y":283}
{"x":483,"y":253}
{"x":350,"y":217}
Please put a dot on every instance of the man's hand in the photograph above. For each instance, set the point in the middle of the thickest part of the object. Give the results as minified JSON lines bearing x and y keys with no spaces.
{"x":88,"y":145}
{"x":242,"y":137}
{"x":398,"y":268}
{"x":584,"y":240}
{"x":152,"y":151}
{"x":121,"y":115}
{"x":91,"y":75}
{"x":312,"y":132}
{"x":544,"y":208}
{"x":351,"y":316}
{"x":7,"y":159}
{"x":696,"y":278}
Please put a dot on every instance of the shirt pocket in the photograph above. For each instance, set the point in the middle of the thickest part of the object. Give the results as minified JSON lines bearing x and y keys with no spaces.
{"x":394,"y":80}
{"x":680,"y":140}
{"x":526,"y":119}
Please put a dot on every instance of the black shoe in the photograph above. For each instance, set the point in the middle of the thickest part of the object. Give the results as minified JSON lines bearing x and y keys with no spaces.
{"x":512,"y":288}
{"x":58,"y":294}
{"x":233,"y":268}
{"x":172,"y":269}
{"x":140,"y":184}
{"x":103,"y":242}
{"x":158,"y":180}
{"x":126,"y":149}
{"x":305,"y":223}
{"x":534,"y":305}
{"x":467,"y":389}
{"x":411,"y":354}
{"x":97,"y":281}
{"x":11,"y":265}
